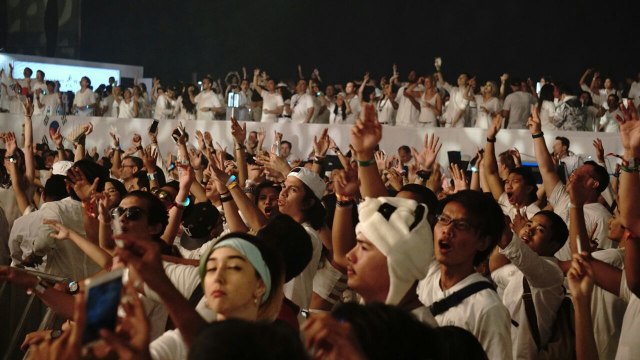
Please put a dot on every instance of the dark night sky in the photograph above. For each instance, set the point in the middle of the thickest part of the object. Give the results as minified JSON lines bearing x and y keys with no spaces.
{"x":343,"y":39}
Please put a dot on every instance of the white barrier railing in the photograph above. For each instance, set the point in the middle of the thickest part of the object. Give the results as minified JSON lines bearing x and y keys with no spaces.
{"x":466,"y":140}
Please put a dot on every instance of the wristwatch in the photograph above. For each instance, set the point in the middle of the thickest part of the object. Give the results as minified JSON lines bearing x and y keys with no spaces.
{"x":73,"y":287}
{"x":12,"y":159}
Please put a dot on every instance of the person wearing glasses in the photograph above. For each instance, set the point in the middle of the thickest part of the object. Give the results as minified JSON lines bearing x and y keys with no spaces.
{"x":469,"y":226}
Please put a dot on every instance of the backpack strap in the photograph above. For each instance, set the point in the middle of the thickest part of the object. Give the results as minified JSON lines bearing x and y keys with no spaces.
{"x":443,"y":305}
{"x":530,"y":309}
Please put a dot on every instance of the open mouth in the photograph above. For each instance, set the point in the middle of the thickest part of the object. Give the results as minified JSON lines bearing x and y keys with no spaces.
{"x":444,"y":246}
{"x":511,"y":197}
{"x":267,"y":210}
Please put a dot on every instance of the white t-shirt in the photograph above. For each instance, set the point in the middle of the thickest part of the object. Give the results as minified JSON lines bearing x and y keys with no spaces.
{"x":407,"y":114}
{"x":300,"y":105}
{"x":510,"y":210}
{"x":519,"y":106}
{"x":482,"y":313}
{"x":299,"y":288}
{"x":607,"y":310}
{"x":386,"y":112}
{"x":270,"y":101}
{"x":124,"y":109}
{"x":354,"y":103}
{"x":457,"y":104}
{"x":207,"y":99}
{"x":629,"y":346}
{"x":596,"y":218}
{"x":165,"y":108}
{"x":84,"y":98}
{"x":545,"y":280}
{"x":609,"y":121}
{"x":483,"y":119}
{"x":547,"y":112}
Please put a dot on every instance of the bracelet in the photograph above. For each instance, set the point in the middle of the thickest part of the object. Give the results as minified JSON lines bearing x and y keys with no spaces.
{"x":240,"y":147}
{"x":343,"y":204}
{"x":630,"y":169}
{"x":538,"y":135}
{"x":226,"y":199}
{"x":232,"y":185}
{"x":365,"y":163}
{"x":491,"y":140}
{"x":249,"y":189}
{"x":344,"y":198}
{"x":225,"y":194}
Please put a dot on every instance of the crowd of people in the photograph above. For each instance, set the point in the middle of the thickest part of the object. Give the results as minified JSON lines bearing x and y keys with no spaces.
{"x":425,"y":101}
{"x":251,"y":253}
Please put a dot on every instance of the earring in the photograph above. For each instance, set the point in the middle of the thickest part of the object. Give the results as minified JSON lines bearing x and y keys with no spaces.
{"x":255,"y":300}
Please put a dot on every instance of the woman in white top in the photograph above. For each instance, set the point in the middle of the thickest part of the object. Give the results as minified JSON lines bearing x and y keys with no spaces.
{"x":430,"y":104}
{"x":488,"y":105}
{"x":546,"y":108}
{"x":387,"y":105}
{"x":339,"y":110}
{"x":186,"y":106}
{"x":85,"y":99}
{"x":126,"y":107}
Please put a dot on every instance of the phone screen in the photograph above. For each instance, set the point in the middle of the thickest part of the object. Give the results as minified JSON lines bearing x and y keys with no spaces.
{"x":154,"y":127}
{"x":103,"y":299}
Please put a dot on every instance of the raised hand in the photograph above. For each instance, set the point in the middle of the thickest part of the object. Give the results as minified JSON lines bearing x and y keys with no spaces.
{"x":262,"y":134}
{"x":459,"y":179}
{"x":200,"y":138}
{"x":430,"y":151}
{"x":597,"y":144}
{"x":346,"y":182}
{"x":238,"y":132}
{"x":519,"y":220}
{"x":195,"y":158}
{"x":434,"y":183}
{"x":381,"y":159}
{"x":10,"y":143}
{"x":630,"y":128}
{"x":396,"y":180}
{"x":27,"y":107}
{"x":534,"y":124}
{"x":208,"y":139}
{"x":149,"y":158}
{"x":580,"y":277}
{"x":57,"y":138}
{"x":61,"y":231}
{"x":277,"y":136}
{"x":515,"y":154}
{"x":81,"y":185}
{"x":366,"y":133}
{"x":321,"y":145}
{"x":495,"y":127}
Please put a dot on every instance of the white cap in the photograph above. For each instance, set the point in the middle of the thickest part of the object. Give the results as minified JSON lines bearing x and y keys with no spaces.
{"x":61,"y":167}
{"x":311,"y":179}
{"x":399,"y":229}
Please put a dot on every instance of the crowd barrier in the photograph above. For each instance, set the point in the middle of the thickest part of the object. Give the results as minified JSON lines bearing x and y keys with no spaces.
{"x":466,"y":140}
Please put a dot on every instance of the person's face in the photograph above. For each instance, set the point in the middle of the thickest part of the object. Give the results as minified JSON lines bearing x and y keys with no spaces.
{"x":616,"y":229}
{"x":231,"y":285}
{"x":487,"y":88}
{"x":112,"y":194}
{"x":412,"y":76}
{"x":268,"y":201}
{"x":339,"y":100}
{"x":50,"y":88}
{"x":291,"y":198}
{"x":457,"y":244}
{"x":473,"y":82}
{"x":127,"y":94}
{"x":39,"y":75}
{"x":171,"y":94}
{"x":405,"y":156}
{"x":27,"y":73}
{"x":84,"y":83}
{"x":367,"y":270}
{"x":462,"y":80}
{"x":210,"y":189}
{"x":556,"y":93}
{"x":206,"y":84}
{"x":128,"y":168}
{"x":584,"y":175}
{"x":271,"y":86}
{"x":48,"y":162}
{"x":349,"y":88}
{"x":584,"y":98}
{"x":285,"y":150}
{"x":138,"y":224}
{"x":516,"y":189}
{"x":557,"y":147}
{"x":537,"y":234}
{"x":244,"y":85}
{"x":428,"y":83}
{"x":330,"y":91}
{"x":612,"y":103}
{"x":608,"y":84}
{"x":301,"y":87}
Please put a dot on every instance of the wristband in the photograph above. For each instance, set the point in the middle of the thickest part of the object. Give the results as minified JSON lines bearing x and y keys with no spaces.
{"x":232,"y":185}
{"x":538,"y":135}
{"x":365,"y":163}
{"x":344,"y":198}
{"x":344,"y":203}
{"x":630,"y":169}
{"x":240,"y":147}
{"x":491,"y":140}
{"x":226,"y":199}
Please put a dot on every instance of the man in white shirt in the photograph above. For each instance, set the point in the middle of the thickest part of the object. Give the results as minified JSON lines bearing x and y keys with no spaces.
{"x":517,"y":106}
{"x":85,"y":99}
{"x":591,"y":175}
{"x":166,"y":105}
{"x":302,"y":106}
{"x":408,"y":102}
{"x":46,"y":103}
{"x":207,"y":101}
{"x":563,"y":155}
{"x":354,"y":103}
{"x":609,"y":121}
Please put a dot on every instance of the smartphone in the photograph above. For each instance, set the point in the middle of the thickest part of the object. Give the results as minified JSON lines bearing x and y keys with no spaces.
{"x":102,"y":302}
{"x":625,"y":103}
{"x":176,"y":135}
{"x":154,"y":127}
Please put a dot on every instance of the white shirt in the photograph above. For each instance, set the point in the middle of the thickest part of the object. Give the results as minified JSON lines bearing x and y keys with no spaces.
{"x":547,"y":112}
{"x":270,"y":101}
{"x":300,"y":105}
{"x":609,"y":121}
{"x":607,"y":309}
{"x":354,"y":103}
{"x":407,"y":114}
{"x":457,"y":104}
{"x":629,"y":346}
{"x":299,"y":288}
{"x":64,"y":258}
{"x":124,"y":109}
{"x":519,"y":106}
{"x":510,"y":210}
{"x":483,"y":119}
{"x":206,"y":99}
{"x":5,"y":254}
{"x":84,"y":98}
{"x":482,"y":313}
{"x":596,"y":218}
{"x":545,"y":280}
{"x":386,"y":112}
{"x":165,"y":108}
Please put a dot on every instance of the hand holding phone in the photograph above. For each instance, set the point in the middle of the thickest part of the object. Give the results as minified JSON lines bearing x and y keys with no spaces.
{"x":102,"y":301}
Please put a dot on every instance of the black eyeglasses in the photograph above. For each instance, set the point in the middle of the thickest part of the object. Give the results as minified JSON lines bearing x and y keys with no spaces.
{"x":458,"y":224}
{"x":133,"y":213}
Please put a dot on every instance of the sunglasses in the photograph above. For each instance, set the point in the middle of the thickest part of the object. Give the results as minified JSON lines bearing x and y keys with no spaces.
{"x":133,"y":213}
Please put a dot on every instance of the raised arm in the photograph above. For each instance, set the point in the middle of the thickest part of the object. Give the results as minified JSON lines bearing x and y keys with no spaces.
{"x":187,"y":177}
{"x":365,"y":135}
{"x":342,"y":234}
{"x":231,"y":214}
{"x":95,"y":252}
{"x":490,"y":165}
{"x":256,"y":84}
{"x":583,"y":79}
{"x":549,"y":177}
{"x":239,"y":134}
{"x":29,"y":161}
{"x":365,"y":80}
{"x":579,"y":194}
{"x":580,"y":279}
{"x":320,"y":148}
{"x":17,"y":178}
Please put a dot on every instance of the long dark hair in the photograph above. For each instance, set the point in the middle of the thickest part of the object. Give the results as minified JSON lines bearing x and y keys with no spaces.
{"x":546,"y":93}
{"x":186,"y":100}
